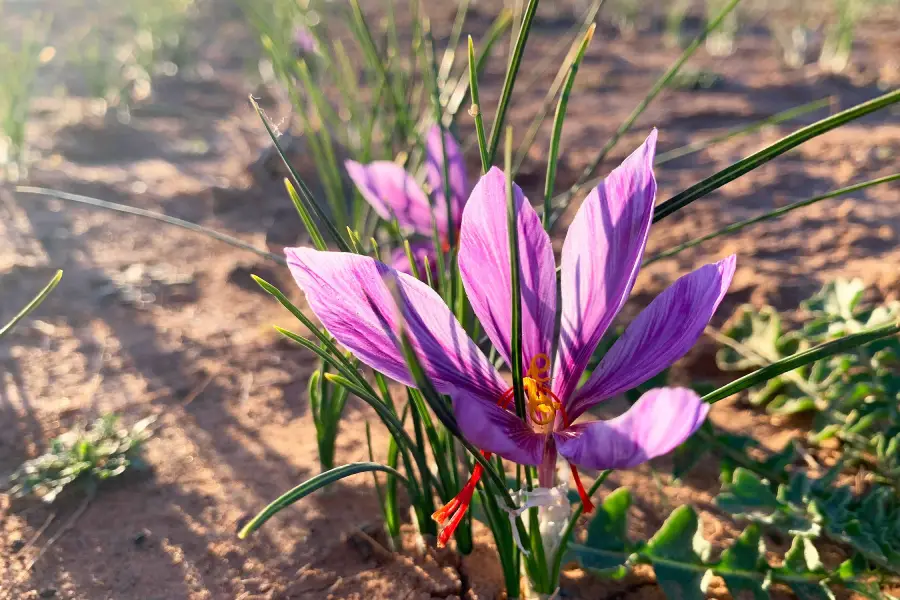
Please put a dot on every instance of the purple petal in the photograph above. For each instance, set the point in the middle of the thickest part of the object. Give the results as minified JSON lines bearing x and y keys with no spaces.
{"x":456,"y":169}
{"x":348,"y":293}
{"x":420,"y":250}
{"x":496,"y":430}
{"x":657,"y":423}
{"x":304,"y":42}
{"x":600,"y":260}
{"x":393,"y":192}
{"x":661,"y":334}
{"x":485,"y":270}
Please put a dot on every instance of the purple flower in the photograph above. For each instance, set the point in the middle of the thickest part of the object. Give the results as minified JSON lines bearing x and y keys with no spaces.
{"x":393,"y":192}
{"x":601,"y":257}
{"x":304,"y":42}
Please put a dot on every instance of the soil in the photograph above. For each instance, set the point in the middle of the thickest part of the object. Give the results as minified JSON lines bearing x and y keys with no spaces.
{"x":151,"y":319}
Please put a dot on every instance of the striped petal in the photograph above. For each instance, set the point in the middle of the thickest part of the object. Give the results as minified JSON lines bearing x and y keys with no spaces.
{"x":485,"y":269}
{"x":600,"y":260}
{"x":658,"y":422}
{"x":661,"y":334}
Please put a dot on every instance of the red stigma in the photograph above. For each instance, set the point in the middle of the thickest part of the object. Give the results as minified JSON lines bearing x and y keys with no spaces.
{"x":450,"y":515}
{"x":585,"y":499}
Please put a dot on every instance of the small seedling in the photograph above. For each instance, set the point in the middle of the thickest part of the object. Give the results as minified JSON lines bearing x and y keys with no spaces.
{"x":82,"y":457}
{"x":79,"y":458}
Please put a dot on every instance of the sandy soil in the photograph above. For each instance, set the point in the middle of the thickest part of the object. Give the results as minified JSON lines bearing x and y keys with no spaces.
{"x":156,"y":320}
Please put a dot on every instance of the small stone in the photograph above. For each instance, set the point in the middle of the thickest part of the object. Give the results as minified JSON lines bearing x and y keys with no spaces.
{"x":47,"y":593}
{"x":16,"y":545}
{"x":140,"y":537}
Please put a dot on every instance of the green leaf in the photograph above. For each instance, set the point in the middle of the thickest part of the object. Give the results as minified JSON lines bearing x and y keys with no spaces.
{"x":745,"y":556}
{"x":802,"y":559}
{"x":35,"y":302}
{"x":676,"y":551}
{"x":608,"y":530}
{"x":477,"y":111}
{"x":510,"y":81}
{"x":838,"y":298}
{"x":753,"y":161}
{"x":773,"y":214}
{"x":758,"y":331}
{"x":311,"y":485}
{"x":132,"y":210}
{"x":747,"y":494}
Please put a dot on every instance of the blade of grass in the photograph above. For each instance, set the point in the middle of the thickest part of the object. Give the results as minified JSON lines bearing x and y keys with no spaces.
{"x":391,"y":506}
{"x":512,"y":228}
{"x":140,"y":212}
{"x":487,"y":43}
{"x":298,"y":182}
{"x":510,"y":81}
{"x":449,"y":56}
{"x":558,"y":123}
{"x":780,"y":117}
{"x":770,"y":215}
{"x":796,"y":361}
{"x":311,"y":228}
{"x":426,"y":506}
{"x":476,"y":112}
{"x":786,"y":143}
{"x":660,"y":84}
{"x":379,"y":491}
{"x":311,"y":485}
{"x":731,"y":133}
{"x":35,"y":302}
{"x":438,"y":451}
{"x":558,"y":81}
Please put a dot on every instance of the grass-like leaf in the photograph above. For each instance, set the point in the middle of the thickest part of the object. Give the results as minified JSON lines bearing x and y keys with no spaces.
{"x":812,"y":355}
{"x":558,"y":120}
{"x":314,"y":484}
{"x":476,"y":110}
{"x":512,"y":226}
{"x":140,"y":212}
{"x":490,"y":38}
{"x":298,"y":182}
{"x":753,"y":161}
{"x":35,"y":302}
{"x":774,"y":214}
{"x":660,"y":84}
{"x":511,"y":76}
{"x":314,"y":233}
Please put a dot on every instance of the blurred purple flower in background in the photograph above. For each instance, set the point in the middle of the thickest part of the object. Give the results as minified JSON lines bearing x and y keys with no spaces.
{"x":393,"y":193}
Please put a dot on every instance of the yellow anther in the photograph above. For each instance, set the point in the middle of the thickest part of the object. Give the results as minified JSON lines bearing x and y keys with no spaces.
{"x":540,"y":402}
{"x":539,"y":368}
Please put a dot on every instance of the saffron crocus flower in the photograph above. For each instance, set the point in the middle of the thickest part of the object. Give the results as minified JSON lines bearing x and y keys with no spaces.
{"x":393,"y":193}
{"x":601,"y":257}
{"x":304,"y":42}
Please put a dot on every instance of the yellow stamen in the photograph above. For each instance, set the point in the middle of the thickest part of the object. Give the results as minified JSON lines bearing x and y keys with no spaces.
{"x":539,"y":368}
{"x":541,"y":403}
